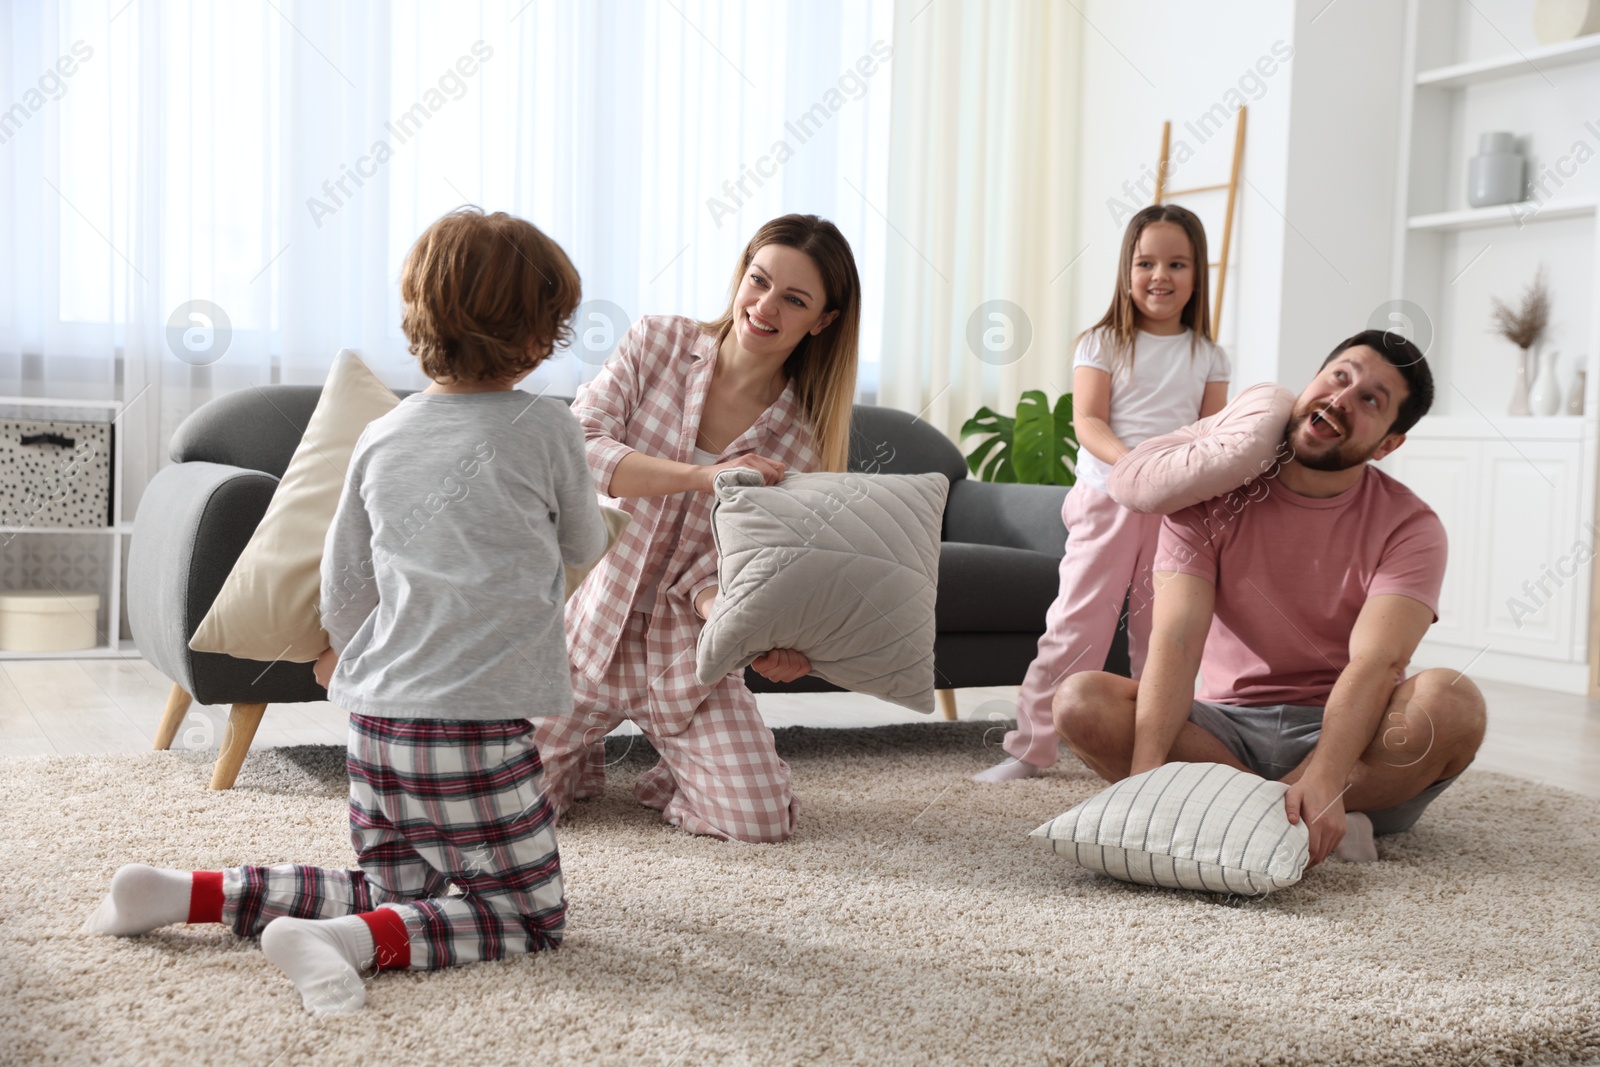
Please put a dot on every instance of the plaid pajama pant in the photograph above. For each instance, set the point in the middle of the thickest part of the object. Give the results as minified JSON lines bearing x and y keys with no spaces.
{"x":434,"y":805}
{"x":720,"y":776}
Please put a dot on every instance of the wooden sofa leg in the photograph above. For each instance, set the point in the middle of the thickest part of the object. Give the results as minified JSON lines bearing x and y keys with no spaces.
{"x":947,"y":703}
{"x":243,"y":719}
{"x":178,"y":702}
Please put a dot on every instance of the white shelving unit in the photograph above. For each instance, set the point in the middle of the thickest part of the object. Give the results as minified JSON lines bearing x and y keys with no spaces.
{"x":1515,"y":494}
{"x":1477,"y":217}
{"x":1512,"y":64}
{"x":112,"y":643}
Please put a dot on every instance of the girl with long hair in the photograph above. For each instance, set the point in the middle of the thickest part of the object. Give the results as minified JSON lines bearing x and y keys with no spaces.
{"x":1146,"y":368}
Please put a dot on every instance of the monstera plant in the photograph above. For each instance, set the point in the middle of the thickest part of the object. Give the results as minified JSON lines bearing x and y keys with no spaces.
{"x":1037,"y":446}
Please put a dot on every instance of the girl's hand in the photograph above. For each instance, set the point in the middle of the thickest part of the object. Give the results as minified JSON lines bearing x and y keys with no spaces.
{"x":782,"y":665}
{"x":705,"y":602}
{"x":323,"y":668}
{"x":771,"y":471}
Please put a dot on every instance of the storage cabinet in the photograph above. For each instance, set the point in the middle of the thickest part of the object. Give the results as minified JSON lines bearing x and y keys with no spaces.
{"x":1514,"y":605}
{"x":1528,"y":520}
{"x":72,"y":559}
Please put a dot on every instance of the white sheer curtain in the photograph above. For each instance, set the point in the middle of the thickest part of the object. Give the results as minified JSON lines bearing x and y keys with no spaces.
{"x":980,"y":206}
{"x":275,"y":160}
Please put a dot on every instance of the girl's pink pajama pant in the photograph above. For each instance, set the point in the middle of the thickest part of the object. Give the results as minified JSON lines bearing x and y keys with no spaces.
{"x":1108,"y":557}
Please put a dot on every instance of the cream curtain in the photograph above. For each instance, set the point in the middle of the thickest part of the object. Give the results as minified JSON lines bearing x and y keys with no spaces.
{"x":980,"y":211}
{"x":198,"y":197}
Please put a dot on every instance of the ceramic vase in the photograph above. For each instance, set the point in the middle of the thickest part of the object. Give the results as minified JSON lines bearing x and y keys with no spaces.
{"x":1494,"y":175}
{"x":1544,"y":395}
{"x":1519,"y":391}
{"x":1575,"y":395}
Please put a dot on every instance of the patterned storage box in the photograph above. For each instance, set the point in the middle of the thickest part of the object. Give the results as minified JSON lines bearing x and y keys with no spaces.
{"x":55,"y":473}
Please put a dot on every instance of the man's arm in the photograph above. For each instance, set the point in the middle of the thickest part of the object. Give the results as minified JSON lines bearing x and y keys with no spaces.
{"x":1381,"y":644}
{"x":1183,"y":608}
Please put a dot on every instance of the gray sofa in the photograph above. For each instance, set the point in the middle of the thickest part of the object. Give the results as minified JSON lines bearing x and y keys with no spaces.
{"x":997,"y":571}
{"x":998,"y":562}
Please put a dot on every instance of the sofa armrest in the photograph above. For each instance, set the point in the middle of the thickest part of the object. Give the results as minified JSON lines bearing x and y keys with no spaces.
{"x":1006,"y":514}
{"x":193,"y":522}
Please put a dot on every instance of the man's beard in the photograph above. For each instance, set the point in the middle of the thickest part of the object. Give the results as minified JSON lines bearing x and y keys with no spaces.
{"x":1338,"y":455}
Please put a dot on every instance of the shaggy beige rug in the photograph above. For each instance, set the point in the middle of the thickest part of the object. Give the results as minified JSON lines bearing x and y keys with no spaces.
{"x":910,"y":921}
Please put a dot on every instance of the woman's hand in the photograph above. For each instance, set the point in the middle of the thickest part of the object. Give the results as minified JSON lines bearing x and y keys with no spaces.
{"x":706,"y":602}
{"x":782,"y":665}
{"x":771,"y":471}
{"x":323,"y":668}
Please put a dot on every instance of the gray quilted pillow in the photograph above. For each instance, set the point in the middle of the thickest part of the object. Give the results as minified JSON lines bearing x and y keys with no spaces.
{"x":1201,"y":826}
{"x":842,"y":567}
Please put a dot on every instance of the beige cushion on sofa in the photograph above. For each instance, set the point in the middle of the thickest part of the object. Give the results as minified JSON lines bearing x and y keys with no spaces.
{"x":842,"y":567}
{"x":269,"y":606}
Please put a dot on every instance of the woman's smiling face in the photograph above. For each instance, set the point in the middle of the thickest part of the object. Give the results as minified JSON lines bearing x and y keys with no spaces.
{"x":780,"y":300}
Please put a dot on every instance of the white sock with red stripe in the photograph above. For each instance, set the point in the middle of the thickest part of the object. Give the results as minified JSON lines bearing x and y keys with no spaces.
{"x":324,"y":959}
{"x":1008,"y":770}
{"x":143,"y":898}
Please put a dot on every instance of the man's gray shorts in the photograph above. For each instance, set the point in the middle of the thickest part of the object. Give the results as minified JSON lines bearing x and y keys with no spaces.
{"x":1273,"y":740}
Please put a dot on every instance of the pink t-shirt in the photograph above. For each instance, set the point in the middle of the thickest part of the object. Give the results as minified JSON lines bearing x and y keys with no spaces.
{"x":1292,"y":573}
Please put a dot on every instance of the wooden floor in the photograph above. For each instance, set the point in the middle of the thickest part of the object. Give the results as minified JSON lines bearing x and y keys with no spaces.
{"x":88,"y":706}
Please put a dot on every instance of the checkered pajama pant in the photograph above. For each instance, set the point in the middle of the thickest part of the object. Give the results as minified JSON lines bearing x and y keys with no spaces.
{"x":434,"y":804}
{"x":720,"y":776}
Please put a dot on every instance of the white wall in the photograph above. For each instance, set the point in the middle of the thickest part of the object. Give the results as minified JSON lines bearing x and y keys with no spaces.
{"x":1343,"y":154}
{"x":1313,"y":238}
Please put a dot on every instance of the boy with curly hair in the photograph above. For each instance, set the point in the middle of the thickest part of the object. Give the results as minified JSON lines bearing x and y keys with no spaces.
{"x":442,"y":595}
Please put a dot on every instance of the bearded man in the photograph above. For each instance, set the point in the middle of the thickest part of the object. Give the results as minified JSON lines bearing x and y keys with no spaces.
{"x":1300,"y":612}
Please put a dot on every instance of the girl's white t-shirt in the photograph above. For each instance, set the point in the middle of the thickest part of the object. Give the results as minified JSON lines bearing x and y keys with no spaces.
{"x":1160,"y":392}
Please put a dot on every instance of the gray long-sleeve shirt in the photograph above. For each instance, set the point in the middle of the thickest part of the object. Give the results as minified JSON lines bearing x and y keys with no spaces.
{"x":442,"y":575}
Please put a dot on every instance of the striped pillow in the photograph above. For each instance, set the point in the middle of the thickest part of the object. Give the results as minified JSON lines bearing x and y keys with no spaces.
{"x":1202,"y":826}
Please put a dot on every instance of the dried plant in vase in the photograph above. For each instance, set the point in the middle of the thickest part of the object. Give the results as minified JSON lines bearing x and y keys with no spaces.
{"x":1523,"y":328}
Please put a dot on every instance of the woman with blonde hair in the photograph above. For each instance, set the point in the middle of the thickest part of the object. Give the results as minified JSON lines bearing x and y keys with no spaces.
{"x":769,"y":386}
